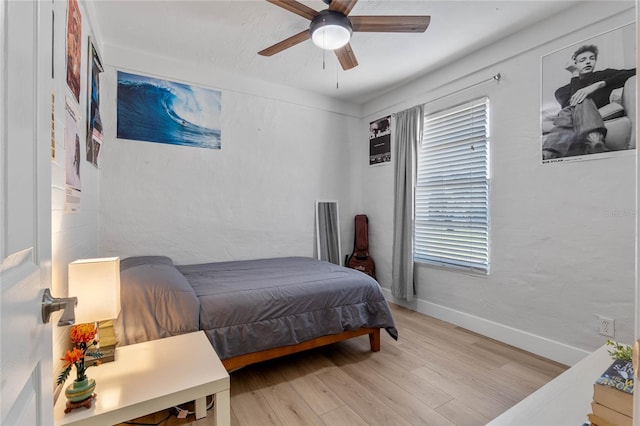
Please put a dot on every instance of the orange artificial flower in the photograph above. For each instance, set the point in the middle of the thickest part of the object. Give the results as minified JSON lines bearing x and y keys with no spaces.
{"x":83,"y":338}
{"x":72,"y":356}
{"x":83,"y":333}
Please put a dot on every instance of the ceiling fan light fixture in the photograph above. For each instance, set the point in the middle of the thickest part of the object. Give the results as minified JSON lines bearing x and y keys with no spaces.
{"x":330,"y":30}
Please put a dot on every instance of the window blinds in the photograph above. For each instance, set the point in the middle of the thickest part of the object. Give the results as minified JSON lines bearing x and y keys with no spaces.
{"x":452,"y":188}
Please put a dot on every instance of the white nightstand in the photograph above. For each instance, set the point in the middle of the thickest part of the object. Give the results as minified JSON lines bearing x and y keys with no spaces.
{"x":565,"y":400}
{"x":152,"y":376}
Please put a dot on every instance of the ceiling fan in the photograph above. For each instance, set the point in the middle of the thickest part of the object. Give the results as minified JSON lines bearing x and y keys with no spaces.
{"x":331,"y":28}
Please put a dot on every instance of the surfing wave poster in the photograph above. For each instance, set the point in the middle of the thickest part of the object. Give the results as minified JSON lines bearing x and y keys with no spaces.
{"x":155,"y":110}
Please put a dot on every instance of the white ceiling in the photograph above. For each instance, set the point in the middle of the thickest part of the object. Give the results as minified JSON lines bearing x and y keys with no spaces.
{"x":228,"y":35}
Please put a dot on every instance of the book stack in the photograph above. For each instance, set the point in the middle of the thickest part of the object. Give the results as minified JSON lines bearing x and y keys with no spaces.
{"x":613,"y":396}
{"x":107,"y":341}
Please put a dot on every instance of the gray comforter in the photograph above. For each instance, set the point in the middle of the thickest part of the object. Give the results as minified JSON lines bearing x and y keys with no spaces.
{"x":253,"y":305}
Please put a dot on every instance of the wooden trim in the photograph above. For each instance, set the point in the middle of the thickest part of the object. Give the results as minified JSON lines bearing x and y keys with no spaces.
{"x":254,"y":357}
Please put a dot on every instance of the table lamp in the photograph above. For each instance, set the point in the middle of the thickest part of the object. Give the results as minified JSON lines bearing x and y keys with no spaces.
{"x":96,"y":284}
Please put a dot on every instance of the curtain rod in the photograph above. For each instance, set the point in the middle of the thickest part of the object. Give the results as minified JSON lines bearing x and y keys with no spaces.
{"x":495,"y":78}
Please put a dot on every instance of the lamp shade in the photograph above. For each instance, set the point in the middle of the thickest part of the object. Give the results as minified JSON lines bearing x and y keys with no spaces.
{"x":96,"y":284}
{"x":330,"y":30}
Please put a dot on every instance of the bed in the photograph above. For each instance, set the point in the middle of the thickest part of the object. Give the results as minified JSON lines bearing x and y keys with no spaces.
{"x":251,"y":310}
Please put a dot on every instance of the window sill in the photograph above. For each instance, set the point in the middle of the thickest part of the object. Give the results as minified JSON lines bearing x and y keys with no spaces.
{"x":452,"y":268}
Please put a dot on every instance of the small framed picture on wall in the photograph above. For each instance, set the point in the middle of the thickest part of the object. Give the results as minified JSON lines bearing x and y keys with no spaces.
{"x":380,"y":141}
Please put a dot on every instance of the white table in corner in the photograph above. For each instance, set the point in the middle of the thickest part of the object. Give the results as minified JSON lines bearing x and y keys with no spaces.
{"x":565,"y":400}
{"x":152,"y":376}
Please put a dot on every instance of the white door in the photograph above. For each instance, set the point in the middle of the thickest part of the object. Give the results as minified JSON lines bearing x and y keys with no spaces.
{"x":636,"y":346}
{"x":26,"y":383}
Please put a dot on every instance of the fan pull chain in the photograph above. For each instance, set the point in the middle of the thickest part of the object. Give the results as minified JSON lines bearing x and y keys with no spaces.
{"x":337,"y":74}
{"x":324,"y":22}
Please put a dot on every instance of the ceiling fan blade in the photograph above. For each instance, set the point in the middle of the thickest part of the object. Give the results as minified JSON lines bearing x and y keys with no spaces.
{"x":342,"y":6}
{"x":286,"y":43}
{"x":390,"y":24}
{"x":346,"y":57}
{"x":296,"y":7}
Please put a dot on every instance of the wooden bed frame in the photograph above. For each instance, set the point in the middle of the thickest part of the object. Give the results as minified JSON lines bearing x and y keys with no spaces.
{"x":247,"y":359}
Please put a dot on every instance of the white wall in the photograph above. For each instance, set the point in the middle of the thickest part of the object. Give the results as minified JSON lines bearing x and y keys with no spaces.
{"x":282,"y":149}
{"x":562,"y":239}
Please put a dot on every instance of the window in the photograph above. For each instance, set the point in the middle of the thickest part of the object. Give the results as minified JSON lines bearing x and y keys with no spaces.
{"x":452,"y":188}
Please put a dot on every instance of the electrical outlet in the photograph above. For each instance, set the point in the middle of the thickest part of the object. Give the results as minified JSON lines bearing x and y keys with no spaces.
{"x":606,"y":326}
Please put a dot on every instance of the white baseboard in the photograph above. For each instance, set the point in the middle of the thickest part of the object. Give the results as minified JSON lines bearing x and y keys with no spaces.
{"x":556,"y":351}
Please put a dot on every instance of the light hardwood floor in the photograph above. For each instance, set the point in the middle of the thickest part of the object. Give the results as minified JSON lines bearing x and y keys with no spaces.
{"x":435,"y":374}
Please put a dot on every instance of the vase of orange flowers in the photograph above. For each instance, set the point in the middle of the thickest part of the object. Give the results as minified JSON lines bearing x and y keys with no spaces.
{"x":83,"y":337}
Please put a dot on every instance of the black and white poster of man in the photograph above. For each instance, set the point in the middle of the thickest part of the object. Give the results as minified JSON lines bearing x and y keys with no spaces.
{"x":588,"y":98}
{"x":380,"y":141}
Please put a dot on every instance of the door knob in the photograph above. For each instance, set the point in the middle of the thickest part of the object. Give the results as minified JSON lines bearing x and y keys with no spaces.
{"x":52,"y":304}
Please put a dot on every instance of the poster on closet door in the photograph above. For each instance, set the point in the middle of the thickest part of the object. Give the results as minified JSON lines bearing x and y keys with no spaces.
{"x":94,"y":121}
{"x":72,"y":157}
{"x":74,"y":45}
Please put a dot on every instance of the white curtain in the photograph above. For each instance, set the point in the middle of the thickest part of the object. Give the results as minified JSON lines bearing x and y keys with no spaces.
{"x":408,"y":133}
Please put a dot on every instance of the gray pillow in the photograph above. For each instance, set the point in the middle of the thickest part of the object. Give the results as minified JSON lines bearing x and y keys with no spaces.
{"x":157,"y":301}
